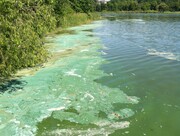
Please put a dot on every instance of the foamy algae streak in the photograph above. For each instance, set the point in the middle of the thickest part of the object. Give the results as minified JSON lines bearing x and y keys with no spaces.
{"x":66,"y":91}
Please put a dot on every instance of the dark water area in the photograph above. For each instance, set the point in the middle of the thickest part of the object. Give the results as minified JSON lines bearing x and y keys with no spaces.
{"x":143,"y":54}
{"x":12,"y":85}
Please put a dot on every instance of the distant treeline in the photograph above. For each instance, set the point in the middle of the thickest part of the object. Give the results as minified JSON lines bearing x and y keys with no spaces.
{"x":140,"y":5}
{"x":23,"y":24}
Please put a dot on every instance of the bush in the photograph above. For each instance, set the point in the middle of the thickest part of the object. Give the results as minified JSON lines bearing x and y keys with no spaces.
{"x":24,"y":23}
{"x":163,"y":7}
{"x":21,"y":28}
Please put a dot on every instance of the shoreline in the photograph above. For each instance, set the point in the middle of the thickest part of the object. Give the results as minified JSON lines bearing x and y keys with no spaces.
{"x":148,"y":11}
{"x":39,"y":53}
{"x":82,"y":20}
{"x":65,"y":86}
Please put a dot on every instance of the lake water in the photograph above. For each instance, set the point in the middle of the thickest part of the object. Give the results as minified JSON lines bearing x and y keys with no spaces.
{"x":143,"y":52}
{"x":117,"y":76}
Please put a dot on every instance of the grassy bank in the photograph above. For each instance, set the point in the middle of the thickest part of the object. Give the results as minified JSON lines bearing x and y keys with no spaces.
{"x":78,"y":19}
{"x":68,"y":21}
{"x":75,"y":20}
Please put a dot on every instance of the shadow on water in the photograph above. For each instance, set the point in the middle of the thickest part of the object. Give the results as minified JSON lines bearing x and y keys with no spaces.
{"x":89,"y":30}
{"x":12,"y":85}
{"x":65,"y":32}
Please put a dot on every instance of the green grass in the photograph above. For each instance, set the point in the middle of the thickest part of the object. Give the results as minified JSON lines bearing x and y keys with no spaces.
{"x":78,"y":19}
{"x":74,"y":20}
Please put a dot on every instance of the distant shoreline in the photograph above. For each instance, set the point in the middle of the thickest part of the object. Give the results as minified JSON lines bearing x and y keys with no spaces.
{"x":138,"y":11}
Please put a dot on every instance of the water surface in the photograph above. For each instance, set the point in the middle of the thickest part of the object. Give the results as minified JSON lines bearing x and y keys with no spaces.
{"x":118,"y":76}
{"x":143,"y":51}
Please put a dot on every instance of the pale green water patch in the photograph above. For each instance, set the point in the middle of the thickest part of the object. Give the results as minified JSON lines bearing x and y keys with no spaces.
{"x":63,"y":99}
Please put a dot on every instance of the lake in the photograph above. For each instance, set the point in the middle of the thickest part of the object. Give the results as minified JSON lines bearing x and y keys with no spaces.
{"x":143,"y":51}
{"x":117,"y":76}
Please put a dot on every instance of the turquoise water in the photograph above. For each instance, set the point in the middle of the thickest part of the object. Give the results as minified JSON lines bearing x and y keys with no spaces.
{"x":118,"y":76}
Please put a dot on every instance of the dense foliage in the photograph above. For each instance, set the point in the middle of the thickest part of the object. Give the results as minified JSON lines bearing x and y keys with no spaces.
{"x":140,"y":5}
{"x":23,"y":24}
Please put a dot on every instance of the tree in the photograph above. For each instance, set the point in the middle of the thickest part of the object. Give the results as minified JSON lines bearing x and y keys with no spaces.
{"x":153,"y":5}
{"x":163,"y":7}
{"x":133,"y":6}
{"x":145,"y":6}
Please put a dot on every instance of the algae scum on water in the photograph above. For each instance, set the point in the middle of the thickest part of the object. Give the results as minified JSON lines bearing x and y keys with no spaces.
{"x":63,"y":98}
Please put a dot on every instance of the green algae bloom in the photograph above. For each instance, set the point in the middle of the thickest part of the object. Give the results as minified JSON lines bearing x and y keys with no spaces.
{"x":66,"y":91}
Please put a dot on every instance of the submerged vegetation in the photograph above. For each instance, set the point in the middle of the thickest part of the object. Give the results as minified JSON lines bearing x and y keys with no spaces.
{"x":24,"y":23}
